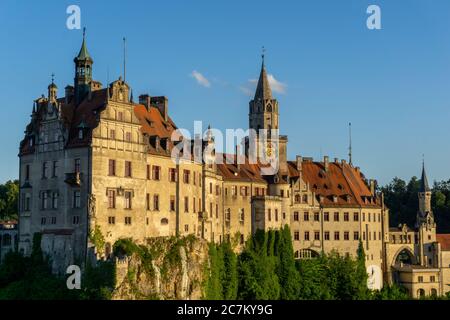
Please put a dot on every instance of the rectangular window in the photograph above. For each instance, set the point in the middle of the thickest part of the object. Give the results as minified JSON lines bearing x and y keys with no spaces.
{"x":195,"y":178}
{"x":112,"y":134}
{"x":276,"y":214}
{"x":112,"y":167}
{"x":147,"y":201}
{"x":43,"y":220}
{"x":44,"y":200}
{"x":172,"y":203}
{"x":316,"y":216}
{"x":186,"y":228}
{"x":336,"y":235}
{"x":27,"y":204}
{"x":77,"y":199}
{"x":156,"y":202}
{"x":356,"y":235}
{"x":127,"y":221}
{"x":27,"y":172}
{"x":210,"y":188}
{"x":186,"y":204}
{"x":432,"y":279}
{"x":295,"y":216}
{"x":111,"y":199}
{"x":127,"y":199}
{"x":128,"y":136}
{"x":355,"y":216}
{"x":270,"y":214}
{"x":316,"y":235}
{"x":55,"y":200}
{"x":326,"y":235}
{"x":346,"y":216}
{"x":55,"y":169}
{"x":306,"y":216}
{"x":217,"y":211}
{"x":53,"y":221}
{"x":111,"y":220}
{"x":211,"y":209}
{"x":217,"y":190}
{"x":156,"y":172}
{"x":172,"y":175}
{"x":420,"y":279}
{"x":336,"y":216}
{"x":77,"y":165}
{"x":234,"y":190}
{"x":44,"y":170}
{"x":306,"y":235}
{"x":193,"y":204}
{"x":76,"y":220}
{"x":148,"y":172}
{"x":186,"y":174}
{"x":296,"y":236}
{"x":128,"y":169}
{"x":346,"y":235}
{"x":326,"y":216}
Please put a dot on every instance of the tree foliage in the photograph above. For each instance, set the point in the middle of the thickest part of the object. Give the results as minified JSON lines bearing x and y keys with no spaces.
{"x":9,"y":195}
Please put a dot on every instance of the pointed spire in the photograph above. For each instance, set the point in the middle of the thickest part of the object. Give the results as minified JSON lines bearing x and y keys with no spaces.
{"x":131,"y":96}
{"x":263,"y":91}
{"x":424,"y":187}
{"x":350,"y":143}
{"x":83,"y":54}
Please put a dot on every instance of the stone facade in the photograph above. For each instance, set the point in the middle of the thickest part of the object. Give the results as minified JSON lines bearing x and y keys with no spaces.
{"x":94,"y":163}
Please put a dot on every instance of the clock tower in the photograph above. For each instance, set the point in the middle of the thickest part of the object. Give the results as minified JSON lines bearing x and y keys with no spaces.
{"x":263,"y":119}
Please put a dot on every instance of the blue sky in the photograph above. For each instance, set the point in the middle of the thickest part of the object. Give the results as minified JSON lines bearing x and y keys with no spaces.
{"x":392,"y":84}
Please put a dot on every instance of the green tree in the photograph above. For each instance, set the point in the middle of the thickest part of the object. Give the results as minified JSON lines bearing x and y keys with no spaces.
{"x":9,"y":195}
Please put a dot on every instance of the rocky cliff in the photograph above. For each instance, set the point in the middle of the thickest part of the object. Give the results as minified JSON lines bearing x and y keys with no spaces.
{"x":163,"y":268}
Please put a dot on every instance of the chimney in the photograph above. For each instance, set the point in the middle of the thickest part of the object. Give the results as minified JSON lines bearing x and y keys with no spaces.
{"x":162,"y":103}
{"x":344,"y":162}
{"x":238,"y":158}
{"x":372,"y":185}
{"x":69,"y":91}
{"x":326,"y":161}
{"x":299,"y":160}
{"x":145,"y":100}
{"x":336,"y":160}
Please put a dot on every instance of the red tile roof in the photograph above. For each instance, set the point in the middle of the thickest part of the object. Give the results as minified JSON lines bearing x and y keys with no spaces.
{"x":340,"y":180}
{"x":444,"y":240}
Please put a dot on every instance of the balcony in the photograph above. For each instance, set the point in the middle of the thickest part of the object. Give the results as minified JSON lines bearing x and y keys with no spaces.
{"x":73,"y":178}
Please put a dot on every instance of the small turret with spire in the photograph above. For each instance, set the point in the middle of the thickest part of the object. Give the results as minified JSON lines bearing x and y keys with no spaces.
{"x":52,"y":90}
{"x":83,"y":71}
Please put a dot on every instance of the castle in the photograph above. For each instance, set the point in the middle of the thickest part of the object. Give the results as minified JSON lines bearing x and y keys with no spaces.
{"x":94,"y":163}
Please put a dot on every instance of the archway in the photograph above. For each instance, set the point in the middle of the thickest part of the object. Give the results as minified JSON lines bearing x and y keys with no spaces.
{"x":404,"y":257}
{"x":306,"y":254}
{"x":421,"y":293}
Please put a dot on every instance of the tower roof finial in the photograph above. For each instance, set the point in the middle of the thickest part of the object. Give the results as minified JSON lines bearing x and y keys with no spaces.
{"x":350,"y":143}
{"x":263,"y":90}
{"x":424,"y":186}
{"x":84,"y":54}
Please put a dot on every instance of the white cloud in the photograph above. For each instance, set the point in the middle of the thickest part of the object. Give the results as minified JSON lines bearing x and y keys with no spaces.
{"x":201,"y":79}
{"x":275,"y":85}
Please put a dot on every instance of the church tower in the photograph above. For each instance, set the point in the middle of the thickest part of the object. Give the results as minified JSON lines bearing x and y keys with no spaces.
{"x":263,"y":115}
{"x":263,"y":108}
{"x":425,"y":223}
{"x":424,"y":195}
{"x":83,"y":72}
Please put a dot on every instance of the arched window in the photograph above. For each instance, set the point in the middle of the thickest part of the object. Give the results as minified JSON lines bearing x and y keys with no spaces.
{"x":269,"y":108}
{"x":420,"y":293}
{"x":297,"y":198}
{"x":433,"y":292}
{"x":308,"y":254}
{"x":296,"y":254}
{"x":305,"y":198}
